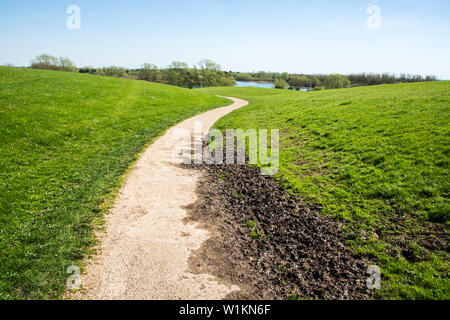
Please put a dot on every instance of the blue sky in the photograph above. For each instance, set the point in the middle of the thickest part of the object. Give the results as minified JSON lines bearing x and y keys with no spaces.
{"x":315,"y":36}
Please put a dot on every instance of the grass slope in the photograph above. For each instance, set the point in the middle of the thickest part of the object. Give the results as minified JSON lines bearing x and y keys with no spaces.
{"x":376,"y":159}
{"x":65,"y":141}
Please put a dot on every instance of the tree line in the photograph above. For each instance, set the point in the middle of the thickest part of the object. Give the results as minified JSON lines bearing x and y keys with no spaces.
{"x":208,"y":73}
{"x":297,"y":82}
{"x":367,"y":79}
{"x":284,"y":80}
{"x":46,"y":61}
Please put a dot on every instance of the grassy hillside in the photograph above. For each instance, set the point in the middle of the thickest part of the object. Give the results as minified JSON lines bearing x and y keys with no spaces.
{"x":65,"y":141}
{"x":376,"y":159}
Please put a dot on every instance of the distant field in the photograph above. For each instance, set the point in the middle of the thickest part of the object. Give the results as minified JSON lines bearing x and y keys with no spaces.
{"x":377,"y":160}
{"x":65,"y":141}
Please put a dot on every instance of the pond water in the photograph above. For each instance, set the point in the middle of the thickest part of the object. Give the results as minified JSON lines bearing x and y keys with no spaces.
{"x":254,"y":84}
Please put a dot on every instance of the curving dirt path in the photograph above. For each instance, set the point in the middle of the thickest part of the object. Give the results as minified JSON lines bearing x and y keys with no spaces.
{"x":145,"y":250}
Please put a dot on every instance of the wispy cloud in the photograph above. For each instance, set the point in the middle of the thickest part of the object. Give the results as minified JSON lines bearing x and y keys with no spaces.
{"x":354,"y":10}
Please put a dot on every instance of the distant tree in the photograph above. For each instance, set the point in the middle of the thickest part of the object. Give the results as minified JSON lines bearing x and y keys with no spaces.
{"x":196,"y":77}
{"x":8,"y":65}
{"x":305,"y":82}
{"x":65,"y":64}
{"x":207,"y":64}
{"x":148,"y":72}
{"x":336,"y":81}
{"x":111,"y":71}
{"x":178,"y":65}
{"x":49,"y":62}
{"x":284,"y":76}
{"x":295,"y":82}
{"x":316,"y":83}
{"x":45,"y":61}
{"x":402,"y":77}
{"x":209,"y":73}
{"x":281,"y":84}
{"x":262,"y":76}
{"x":345,"y":82}
{"x":298,"y":82}
{"x":177,"y":73}
{"x":244,"y":77}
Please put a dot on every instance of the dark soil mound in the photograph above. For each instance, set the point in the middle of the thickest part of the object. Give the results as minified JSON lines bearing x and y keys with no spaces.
{"x":270,"y":242}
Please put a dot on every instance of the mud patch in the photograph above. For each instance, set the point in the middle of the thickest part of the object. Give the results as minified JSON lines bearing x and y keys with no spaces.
{"x":270,"y":243}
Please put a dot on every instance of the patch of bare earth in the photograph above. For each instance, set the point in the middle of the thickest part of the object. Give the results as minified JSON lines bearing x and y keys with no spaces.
{"x":269,"y":242}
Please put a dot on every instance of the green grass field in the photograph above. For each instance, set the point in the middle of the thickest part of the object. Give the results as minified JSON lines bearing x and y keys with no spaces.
{"x":375,"y":159}
{"x":65,"y":142}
